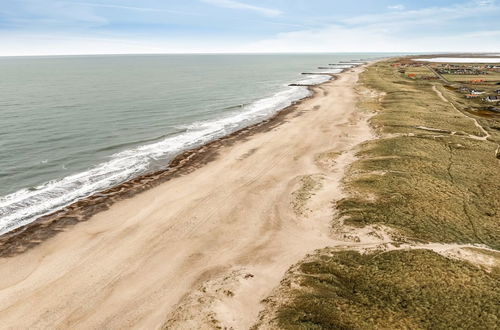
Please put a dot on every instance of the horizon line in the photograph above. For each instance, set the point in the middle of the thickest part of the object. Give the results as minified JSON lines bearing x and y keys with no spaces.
{"x":247,"y":53}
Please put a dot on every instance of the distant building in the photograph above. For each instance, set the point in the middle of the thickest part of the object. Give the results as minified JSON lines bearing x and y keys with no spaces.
{"x":471,"y":96}
{"x":476,"y":92}
{"x":491,"y":99}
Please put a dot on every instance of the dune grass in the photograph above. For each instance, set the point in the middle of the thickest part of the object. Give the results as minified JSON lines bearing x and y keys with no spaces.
{"x":431,"y":177}
{"x":491,"y":76}
{"x":309,"y":184}
{"x":393,"y":290}
{"x":437,"y":186}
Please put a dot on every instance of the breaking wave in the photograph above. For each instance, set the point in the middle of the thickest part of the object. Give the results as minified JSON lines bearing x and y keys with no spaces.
{"x":26,"y":205}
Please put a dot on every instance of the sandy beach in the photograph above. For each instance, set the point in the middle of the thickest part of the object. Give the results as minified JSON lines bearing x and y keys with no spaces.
{"x":205,"y":247}
{"x":249,"y":165}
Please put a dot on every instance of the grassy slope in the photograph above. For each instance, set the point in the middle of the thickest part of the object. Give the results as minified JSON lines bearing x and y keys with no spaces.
{"x":438,"y":187}
{"x":393,"y":290}
{"x":441,"y":189}
{"x":492,"y":76}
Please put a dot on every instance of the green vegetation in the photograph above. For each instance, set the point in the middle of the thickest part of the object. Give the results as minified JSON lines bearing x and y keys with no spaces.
{"x":308,"y":186}
{"x":493,"y":76}
{"x":437,"y":187}
{"x":419,"y":72}
{"x":489,"y":120}
{"x":434,"y":176}
{"x":394,"y":290}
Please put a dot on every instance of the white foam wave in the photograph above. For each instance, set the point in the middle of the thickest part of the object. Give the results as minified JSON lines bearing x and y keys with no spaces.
{"x":26,"y":205}
{"x":314,"y":80}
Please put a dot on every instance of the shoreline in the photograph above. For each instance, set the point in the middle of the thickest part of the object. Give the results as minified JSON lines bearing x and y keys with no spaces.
{"x":264,"y":230}
{"x":205,"y":248}
{"x":36,"y":232}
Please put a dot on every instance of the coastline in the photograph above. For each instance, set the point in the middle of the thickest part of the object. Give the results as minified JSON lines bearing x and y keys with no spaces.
{"x":275,"y":229}
{"x":397,"y":228}
{"x":34,"y":233}
{"x":209,"y":244}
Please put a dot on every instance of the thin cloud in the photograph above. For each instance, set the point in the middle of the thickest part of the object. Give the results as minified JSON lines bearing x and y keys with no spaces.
{"x":423,"y":16}
{"x":494,"y":33}
{"x":144,"y":9}
{"x":485,"y":2}
{"x":389,"y":31}
{"x":337,"y":38}
{"x":396,"y":7}
{"x":240,"y":5}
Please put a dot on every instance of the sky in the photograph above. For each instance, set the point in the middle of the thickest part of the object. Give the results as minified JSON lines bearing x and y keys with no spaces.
{"x":62,"y":27}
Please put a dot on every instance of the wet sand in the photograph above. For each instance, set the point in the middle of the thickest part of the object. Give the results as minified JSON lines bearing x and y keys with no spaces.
{"x":28,"y":236}
{"x":195,"y":247}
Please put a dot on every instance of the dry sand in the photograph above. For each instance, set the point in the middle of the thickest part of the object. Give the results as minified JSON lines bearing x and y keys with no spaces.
{"x":202,"y":249}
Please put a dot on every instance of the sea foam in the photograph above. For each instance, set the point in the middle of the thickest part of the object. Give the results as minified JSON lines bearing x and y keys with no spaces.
{"x":26,"y":205}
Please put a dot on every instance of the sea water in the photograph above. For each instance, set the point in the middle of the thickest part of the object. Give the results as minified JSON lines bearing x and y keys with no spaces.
{"x":71,"y":126}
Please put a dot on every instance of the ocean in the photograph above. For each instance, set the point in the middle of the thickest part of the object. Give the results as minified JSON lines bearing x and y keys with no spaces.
{"x":71,"y":126}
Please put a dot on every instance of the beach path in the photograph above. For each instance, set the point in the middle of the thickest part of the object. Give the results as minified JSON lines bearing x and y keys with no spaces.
{"x":202,"y":248}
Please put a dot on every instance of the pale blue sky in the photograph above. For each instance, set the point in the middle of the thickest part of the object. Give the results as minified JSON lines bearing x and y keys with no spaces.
{"x":30,"y":27}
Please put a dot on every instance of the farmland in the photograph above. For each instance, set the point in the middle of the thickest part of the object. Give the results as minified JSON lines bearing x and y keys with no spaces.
{"x":492,"y":77}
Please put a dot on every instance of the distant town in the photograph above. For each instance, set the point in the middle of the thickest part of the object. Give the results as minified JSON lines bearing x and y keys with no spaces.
{"x":478,"y":83}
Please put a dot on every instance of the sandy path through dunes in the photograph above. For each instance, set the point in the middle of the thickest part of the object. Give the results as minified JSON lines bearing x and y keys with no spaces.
{"x":199,"y":249}
{"x":481,"y":128}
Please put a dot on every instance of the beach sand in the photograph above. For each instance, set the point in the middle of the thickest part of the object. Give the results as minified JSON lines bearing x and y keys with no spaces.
{"x":203,"y":248}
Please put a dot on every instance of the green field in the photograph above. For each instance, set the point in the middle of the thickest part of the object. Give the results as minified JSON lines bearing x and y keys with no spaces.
{"x":492,"y":77}
{"x":420,"y":72}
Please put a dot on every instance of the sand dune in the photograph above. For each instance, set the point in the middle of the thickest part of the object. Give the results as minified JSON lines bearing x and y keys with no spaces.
{"x":201,"y":249}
